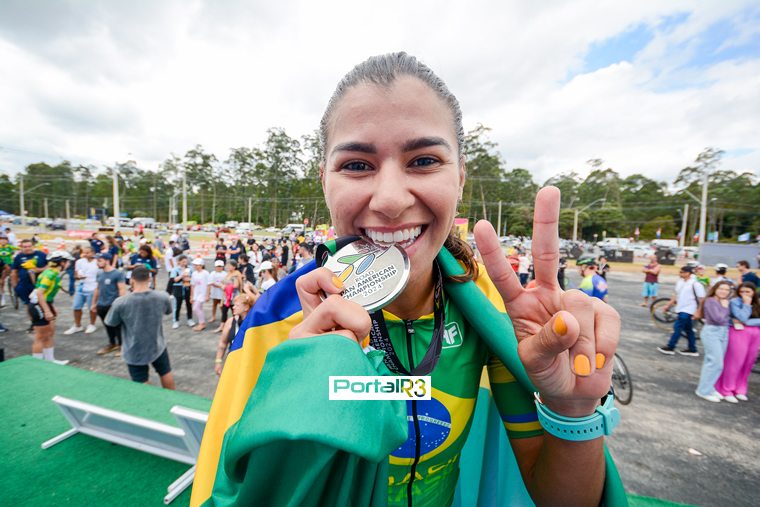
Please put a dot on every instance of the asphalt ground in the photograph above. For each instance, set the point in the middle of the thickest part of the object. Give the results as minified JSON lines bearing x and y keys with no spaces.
{"x":670,"y":444}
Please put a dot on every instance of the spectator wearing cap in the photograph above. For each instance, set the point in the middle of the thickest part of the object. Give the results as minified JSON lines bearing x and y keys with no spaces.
{"x":267,"y":275}
{"x":199,"y":289}
{"x":216,"y":284}
{"x":747,"y":275}
{"x":592,"y":284}
{"x":699,"y":274}
{"x":140,"y":315}
{"x":111,"y":284}
{"x":720,"y":272}
{"x":686,"y":298}
{"x":245,"y":268}
{"x":85,"y":273}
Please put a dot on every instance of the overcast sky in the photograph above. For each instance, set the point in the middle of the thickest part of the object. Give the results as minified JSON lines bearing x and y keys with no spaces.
{"x":643,"y":85}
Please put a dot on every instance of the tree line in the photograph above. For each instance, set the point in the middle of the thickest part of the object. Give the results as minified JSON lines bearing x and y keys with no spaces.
{"x":277,"y":182}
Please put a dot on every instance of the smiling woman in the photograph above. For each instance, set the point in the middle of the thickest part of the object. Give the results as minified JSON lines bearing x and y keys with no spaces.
{"x":393,"y":173}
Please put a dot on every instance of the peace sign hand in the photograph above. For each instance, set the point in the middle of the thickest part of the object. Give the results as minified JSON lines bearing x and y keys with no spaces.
{"x":566,"y":340}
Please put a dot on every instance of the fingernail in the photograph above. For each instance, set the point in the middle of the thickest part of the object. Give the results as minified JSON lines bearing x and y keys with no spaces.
{"x":582,"y":365}
{"x":337,"y":282}
{"x":559,"y":326}
{"x":599,"y":361}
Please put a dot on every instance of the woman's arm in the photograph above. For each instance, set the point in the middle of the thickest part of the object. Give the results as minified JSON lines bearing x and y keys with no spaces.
{"x":740,"y":311}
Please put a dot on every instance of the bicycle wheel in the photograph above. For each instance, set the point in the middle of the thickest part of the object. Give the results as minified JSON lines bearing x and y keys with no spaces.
{"x":662,"y":318}
{"x":621,"y":381}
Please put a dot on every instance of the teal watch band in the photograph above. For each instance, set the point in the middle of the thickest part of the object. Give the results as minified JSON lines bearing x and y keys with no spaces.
{"x":604,"y":419}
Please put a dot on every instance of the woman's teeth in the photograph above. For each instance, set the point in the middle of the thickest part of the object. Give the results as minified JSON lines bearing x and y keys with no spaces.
{"x":403,"y":237}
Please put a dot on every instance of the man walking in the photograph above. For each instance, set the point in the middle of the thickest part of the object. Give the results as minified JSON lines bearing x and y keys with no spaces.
{"x":111,"y":285}
{"x":651,"y":280}
{"x":86,"y":273}
{"x":140,"y":314}
{"x":746,"y":274}
{"x":689,"y":292}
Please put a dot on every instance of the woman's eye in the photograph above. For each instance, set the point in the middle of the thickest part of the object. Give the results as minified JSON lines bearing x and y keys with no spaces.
{"x":356,"y":166}
{"x":424,"y":162}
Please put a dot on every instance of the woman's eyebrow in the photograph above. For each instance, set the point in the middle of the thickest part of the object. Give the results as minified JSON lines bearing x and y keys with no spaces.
{"x":355,"y":146}
{"x":424,"y":142}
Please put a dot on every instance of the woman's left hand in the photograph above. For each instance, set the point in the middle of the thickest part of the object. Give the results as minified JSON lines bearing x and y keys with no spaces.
{"x":566,"y":340}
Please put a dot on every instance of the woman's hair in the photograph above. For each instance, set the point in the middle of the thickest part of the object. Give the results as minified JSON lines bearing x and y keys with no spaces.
{"x":246,"y":299}
{"x":233,"y":263}
{"x":755,"y":297}
{"x":148,"y":250}
{"x":182,"y":257}
{"x":383,"y":70}
{"x":711,"y":291}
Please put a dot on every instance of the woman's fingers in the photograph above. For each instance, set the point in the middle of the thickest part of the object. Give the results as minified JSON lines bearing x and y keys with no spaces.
{"x":606,"y":331}
{"x":583,"y":351}
{"x":539,"y":352}
{"x":312,"y":286}
{"x":545,"y":243}
{"x":499,"y":270}
{"x":337,"y":316}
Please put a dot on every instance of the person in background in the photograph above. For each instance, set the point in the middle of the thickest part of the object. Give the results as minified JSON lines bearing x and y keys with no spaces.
{"x":233,"y":284}
{"x":720,"y":272}
{"x":240,"y":307}
{"x":140,"y":314}
{"x":86,"y":273}
{"x":41,"y":309}
{"x":27,"y":263}
{"x":180,"y":276}
{"x":111,"y":284}
{"x":686,"y":298}
{"x":159,"y":243}
{"x":743,"y":344}
{"x":267,"y":275}
{"x":96,"y":243}
{"x":714,"y":336}
{"x":747,"y":275}
{"x":699,"y":274}
{"x":6,"y":259}
{"x":284,"y":253}
{"x":221,"y":251}
{"x":651,"y":280}
{"x":199,"y":290}
{"x":11,"y":237}
{"x":604,"y":267}
{"x":169,"y":256}
{"x":113,"y":248}
{"x":306,"y":254}
{"x":279,"y":268}
{"x":144,"y":257}
{"x":523,"y":267}
{"x":592,"y":284}
{"x":246,"y":269}
{"x":561,"y":272}
{"x":237,"y":249}
{"x":255,"y":256}
{"x":216,"y":284}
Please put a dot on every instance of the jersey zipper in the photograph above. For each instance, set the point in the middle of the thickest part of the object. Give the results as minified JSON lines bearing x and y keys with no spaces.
{"x":413,"y":471}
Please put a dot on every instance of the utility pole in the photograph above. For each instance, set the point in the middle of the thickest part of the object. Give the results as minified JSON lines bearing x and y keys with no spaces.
{"x":46,"y":208}
{"x":116,"y":214}
{"x":498,"y":227}
{"x":703,"y":212}
{"x":249,"y":211}
{"x":21,"y":199}
{"x":575,"y":226}
{"x":684,"y":223}
{"x":184,"y":199}
{"x":68,"y":211}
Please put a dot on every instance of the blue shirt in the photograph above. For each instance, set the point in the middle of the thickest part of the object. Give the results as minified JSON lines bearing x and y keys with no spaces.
{"x":96,"y":245}
{"x":23,"y":261}
{"x":595,"y":286}
{"x":751,"y":277}
{"x":149,"y":262}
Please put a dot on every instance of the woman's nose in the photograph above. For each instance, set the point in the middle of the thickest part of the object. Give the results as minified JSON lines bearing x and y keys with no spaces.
{"x":392,"y":194}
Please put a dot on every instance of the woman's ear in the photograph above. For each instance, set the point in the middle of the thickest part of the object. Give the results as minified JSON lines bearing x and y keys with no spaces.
{"x":462,"y":174}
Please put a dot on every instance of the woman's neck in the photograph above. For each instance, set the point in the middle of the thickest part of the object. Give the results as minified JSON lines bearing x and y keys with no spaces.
{"x":416,"y":300}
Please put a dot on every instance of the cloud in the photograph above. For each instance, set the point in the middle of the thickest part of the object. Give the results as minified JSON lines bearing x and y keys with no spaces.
{"x":558,"y":82}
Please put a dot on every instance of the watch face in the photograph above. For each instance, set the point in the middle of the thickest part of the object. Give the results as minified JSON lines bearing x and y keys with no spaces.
{"x":373,"y":276}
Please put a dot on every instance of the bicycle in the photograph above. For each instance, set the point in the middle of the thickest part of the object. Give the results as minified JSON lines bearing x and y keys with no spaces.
{"x":622,"y":383}
{"x":664,"y":319}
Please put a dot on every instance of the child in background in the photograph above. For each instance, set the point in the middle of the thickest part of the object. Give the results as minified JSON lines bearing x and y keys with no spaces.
{"x":199,"y":290}
{"x":216,"y":282}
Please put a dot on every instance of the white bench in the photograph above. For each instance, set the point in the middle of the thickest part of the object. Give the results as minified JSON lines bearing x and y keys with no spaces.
{"x":177,"y":444}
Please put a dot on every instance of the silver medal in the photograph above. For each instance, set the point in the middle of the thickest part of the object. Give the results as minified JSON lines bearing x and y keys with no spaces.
{"x":373,"y":276}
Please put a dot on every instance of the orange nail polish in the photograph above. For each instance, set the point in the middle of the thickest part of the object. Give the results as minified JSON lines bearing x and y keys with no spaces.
{"x":582,"y":365}
{"x":559,"y":326}
{"x":600,"y":361}
{"x":337,"y":282}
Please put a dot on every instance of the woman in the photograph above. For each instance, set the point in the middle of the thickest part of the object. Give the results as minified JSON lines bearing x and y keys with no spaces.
{"x":41,"y":309}
{"x":240,"y":308}
{"x":199,"y":291}
{"x":714,"y":336}
{"x":232,"y":284}
{"x":743,"y":344}
{"x":181,"y":277}
{"x":267,"y":275}
{"x":113,"y":249}
{"x":393,"y":167}
{"x":145,"y":257}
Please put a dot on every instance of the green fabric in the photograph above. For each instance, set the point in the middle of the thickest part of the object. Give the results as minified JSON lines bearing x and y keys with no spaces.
{"x":302,"y":449}
{"x":6,"y":254}
{"x":496,"y":330}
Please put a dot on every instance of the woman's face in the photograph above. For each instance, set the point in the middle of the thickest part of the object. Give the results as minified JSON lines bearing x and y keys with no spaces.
{"x":239,"y":308}
{"x":746,"y":292}
{"x":723,"y":291}
{"x":392,"y":170}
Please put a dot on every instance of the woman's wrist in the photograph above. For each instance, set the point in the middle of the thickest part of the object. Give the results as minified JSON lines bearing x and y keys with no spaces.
{"x":571,"y":408}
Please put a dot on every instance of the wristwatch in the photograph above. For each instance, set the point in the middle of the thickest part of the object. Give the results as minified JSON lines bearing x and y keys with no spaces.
{"x":604,"y":419}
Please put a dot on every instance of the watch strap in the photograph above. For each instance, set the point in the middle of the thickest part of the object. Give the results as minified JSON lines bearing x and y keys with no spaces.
{"x":601,"y":423}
